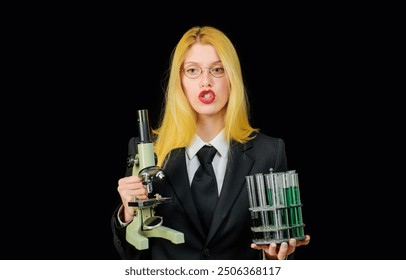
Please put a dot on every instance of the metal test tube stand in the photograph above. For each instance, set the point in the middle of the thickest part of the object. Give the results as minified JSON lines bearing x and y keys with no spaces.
{"x":145,"y":223}
{"x":275,"y":199}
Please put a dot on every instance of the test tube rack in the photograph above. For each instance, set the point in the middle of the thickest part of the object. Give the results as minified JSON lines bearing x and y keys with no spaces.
{"x":275,"y":207}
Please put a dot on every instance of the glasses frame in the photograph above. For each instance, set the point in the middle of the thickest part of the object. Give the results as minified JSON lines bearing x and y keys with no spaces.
{"x":201,"y":71}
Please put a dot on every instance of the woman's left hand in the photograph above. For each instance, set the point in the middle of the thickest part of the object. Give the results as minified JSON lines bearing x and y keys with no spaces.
{"x":282,"y":251}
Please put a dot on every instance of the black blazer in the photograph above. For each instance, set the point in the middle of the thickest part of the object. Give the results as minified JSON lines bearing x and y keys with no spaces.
{"x":230,"y":234}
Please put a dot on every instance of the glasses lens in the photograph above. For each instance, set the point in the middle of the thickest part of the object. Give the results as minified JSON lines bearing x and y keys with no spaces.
{"x":217,"y":71}
{"x":192,"y":71}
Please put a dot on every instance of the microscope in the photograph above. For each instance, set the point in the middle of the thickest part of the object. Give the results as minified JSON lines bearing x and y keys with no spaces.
{"x":146,"y":224}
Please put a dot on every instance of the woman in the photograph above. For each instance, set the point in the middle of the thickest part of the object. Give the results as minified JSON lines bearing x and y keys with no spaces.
{"x":206,"y":104}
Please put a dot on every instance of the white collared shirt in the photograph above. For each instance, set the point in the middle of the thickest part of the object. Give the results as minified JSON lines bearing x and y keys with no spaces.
{"x":219,"y":161}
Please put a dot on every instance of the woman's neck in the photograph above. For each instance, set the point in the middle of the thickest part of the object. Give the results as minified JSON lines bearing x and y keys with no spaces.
{"x":208,"y":128}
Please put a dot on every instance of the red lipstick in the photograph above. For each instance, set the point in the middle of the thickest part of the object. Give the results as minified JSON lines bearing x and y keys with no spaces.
{"x":207,"y":96}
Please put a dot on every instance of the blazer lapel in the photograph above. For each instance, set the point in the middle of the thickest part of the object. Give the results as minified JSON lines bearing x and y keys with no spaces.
{"x":239,"y":162}
{"x":176,"y":171}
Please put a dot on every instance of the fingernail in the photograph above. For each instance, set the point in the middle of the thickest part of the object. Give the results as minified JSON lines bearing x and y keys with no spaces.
{"x":284,"y":245}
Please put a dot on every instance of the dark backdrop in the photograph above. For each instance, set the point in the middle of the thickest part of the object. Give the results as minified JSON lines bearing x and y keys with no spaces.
{"x":85,"y":76}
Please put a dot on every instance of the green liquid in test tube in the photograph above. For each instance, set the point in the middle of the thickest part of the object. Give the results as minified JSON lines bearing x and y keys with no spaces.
{"x":296,"y":195}
{"x":281,"y":202}
{"x":276,"y":216}
{"x":291,"y":202}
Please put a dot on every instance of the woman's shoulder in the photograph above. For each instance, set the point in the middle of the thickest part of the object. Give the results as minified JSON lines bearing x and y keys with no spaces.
{"x":260,"y":137}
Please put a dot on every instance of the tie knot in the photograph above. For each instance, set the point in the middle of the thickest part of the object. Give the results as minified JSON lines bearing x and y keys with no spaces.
{"x":206,"y":154}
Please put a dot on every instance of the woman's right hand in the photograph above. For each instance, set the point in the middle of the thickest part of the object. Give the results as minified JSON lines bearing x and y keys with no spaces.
{"x":131,"y":188}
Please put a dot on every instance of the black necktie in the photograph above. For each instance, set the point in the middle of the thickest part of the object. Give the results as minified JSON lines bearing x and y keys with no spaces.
{"x":204,"y":186}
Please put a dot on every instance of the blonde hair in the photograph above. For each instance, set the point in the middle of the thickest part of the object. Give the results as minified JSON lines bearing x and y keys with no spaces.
{"x":177,"y":125}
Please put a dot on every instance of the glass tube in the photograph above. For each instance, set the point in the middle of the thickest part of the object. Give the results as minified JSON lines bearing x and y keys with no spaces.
{"x":281,"y":202}
{"x":291,"y":203}
{"x":255,"y":223}
{"x":296,"y":194}
{"x":260,"y":186}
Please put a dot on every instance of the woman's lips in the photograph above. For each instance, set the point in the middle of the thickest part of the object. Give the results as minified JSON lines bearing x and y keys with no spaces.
{"x":207,"y":96}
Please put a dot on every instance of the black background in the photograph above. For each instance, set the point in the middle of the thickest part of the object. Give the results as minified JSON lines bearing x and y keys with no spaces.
{"x":311,"y":79}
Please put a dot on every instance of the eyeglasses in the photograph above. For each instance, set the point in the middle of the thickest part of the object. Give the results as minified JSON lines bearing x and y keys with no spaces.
{"x":194,"y":71}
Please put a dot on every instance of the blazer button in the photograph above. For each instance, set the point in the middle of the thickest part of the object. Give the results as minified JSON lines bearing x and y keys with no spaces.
{"x":206,"y":253}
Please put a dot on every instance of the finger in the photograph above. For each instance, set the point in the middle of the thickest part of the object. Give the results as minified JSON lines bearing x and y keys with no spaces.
{"x":283,"y":251}
{"x":141,"y":193}
{"x":292,"y":246}
{"x":259,"y":247}
{"x":129,"y":180}
{"x":272,"y":250}
{"x":254,"y":246}
{"x":303,"y":242}
{"x":132,"y":189}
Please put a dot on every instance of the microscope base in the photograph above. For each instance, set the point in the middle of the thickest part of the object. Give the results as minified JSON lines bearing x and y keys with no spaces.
{"x":139,"y":238}
{"x":172,"y":235}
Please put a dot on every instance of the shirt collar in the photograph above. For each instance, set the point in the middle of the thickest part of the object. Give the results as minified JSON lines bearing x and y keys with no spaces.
{"x":217,"y":142}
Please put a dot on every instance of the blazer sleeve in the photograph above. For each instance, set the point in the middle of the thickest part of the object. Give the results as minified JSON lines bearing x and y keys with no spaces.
{"x":126,"y":250}
{"x":281,"y":163}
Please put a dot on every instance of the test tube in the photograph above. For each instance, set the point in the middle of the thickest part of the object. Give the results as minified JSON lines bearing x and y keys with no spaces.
{"x":252,"y":203}
{"x":281,"y":203}
{"x":277,"y":215}
{"x":291,"y":203}
{"x":271,"y":194}
{"x":260,"y":186}
{"x":296,"y":195}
